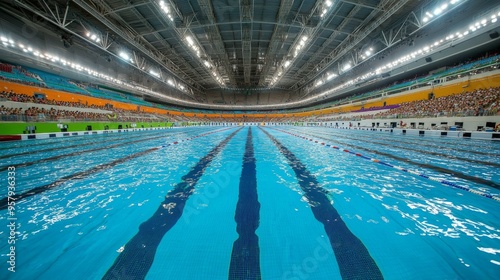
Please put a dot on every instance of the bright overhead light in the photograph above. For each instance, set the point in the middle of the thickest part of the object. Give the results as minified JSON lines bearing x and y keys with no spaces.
{"x":124,"y":55}
{"x":190,"y":41}
{"x":287,"y":63}
{"x":154,"y":73}
{"x":346,"y":67}
{"x":331,"y":76}
{"x":167,"y":10}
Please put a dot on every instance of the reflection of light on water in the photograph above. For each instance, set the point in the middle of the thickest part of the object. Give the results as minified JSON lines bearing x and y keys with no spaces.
{"x":475,"y":209}
{"x":462,"y":261}
{"x":489,"y":250}
{"x":169,"y":206}
{"x":456,"y":227}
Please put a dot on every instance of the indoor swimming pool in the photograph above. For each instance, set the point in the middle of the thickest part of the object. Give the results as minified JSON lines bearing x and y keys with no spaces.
{"x":250,"y":203}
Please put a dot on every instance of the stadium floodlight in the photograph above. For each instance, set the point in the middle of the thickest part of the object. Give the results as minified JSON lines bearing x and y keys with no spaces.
{"x":190,"y":41}
{"x":299,"y":44}
{"x":327,"y":5}
{"x":167,"y":10}
{"x":154,"y":73}
{"x":331,"y":76}
{"x":125,"y":56}
{"x":346,"y":67}
{"x":93,"y":36}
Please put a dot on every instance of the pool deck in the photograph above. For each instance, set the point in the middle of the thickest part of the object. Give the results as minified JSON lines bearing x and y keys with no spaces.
{"x":17,"y":137}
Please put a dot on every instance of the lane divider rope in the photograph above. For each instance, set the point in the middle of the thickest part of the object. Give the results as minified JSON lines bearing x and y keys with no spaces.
{"x":444,"y":182}
{"x":194,"y":137}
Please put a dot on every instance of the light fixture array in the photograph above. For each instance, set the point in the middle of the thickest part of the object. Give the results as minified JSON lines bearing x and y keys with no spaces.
{"x":417,"y":54}
{"x":167,"y":10}
{"x":346,"y":67}
{"x":326,"y":7}
{"x":438,"y":10}
{"x":190,"y":40}
{"x":297,"y":47}
{"x":94,"y":37}
{"x":193,"y":45}
{"x":285,"y":64}
{"x":10,"y":43}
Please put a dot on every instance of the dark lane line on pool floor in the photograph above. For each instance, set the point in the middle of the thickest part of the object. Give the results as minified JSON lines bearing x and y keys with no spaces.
{"x":75,"y":176}
{"x":86,"y":173}
{"x":457,"y":174}
{"x":138,"y":254}
{"x":43,"y":160}
{"x":418,"y":150}
{"x":72,"y":139}
{"x":5,"y":167}
{"x":353,"y":258}
{"x":245,"y":256}
{"x":66,"y":147}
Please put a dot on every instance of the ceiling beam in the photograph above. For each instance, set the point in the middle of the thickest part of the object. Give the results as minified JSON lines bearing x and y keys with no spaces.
{"x":361,"y":4}
{"x":311,"y":64}
{"x":246,"y":16}
{"x":311,"y":32}
{"x":132,"y":38}
{"x":196,"y":25}
{"x":216,"y":39}
{"x":389,"y":6}
{"x":127,"y":7}
{"x":276,"y":40}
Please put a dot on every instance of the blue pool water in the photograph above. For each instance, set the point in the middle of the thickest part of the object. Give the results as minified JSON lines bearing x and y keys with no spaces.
{"x":270,"y":203}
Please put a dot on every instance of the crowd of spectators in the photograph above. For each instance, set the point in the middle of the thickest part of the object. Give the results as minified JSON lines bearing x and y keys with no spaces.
{"x":17,"y":97}
{"x":481,"y":102}
{"x":35,"y":113}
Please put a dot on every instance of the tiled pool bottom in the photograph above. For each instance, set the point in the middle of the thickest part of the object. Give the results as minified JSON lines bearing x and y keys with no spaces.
{"x":252,"y":203}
